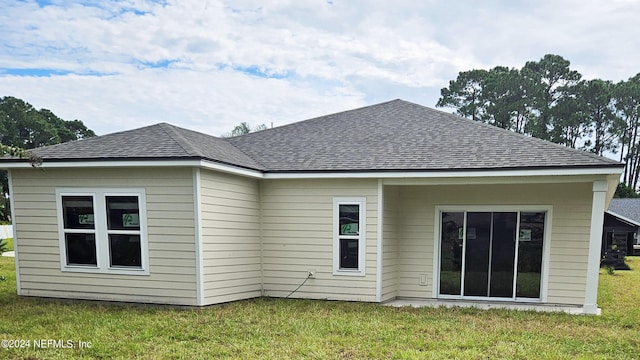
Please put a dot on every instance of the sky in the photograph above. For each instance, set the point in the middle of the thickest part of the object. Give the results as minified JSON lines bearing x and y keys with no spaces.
{"x":208,"y":65}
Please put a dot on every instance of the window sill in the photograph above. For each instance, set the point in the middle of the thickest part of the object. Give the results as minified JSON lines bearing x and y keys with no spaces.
{"x":110,"y":271}
{"x":347,"y":272}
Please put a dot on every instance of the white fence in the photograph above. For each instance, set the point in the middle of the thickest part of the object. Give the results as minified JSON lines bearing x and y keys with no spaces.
{"x":6,"y":231}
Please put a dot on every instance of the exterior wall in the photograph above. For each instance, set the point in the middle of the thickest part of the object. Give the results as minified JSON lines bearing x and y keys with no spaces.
{"x":171,"y":236}
{"x":230,"y":221}
{"x":390,"y":244}
{"x":297,"y":230}
{"x":569,"y":245}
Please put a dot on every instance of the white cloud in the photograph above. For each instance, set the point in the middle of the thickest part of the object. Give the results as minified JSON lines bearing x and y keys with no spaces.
{"x":325,"y":55}
{"x":212,"y":102}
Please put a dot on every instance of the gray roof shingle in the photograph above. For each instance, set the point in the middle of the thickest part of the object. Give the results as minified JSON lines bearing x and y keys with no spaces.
{"x":391,"y":136}
{"x":160,"y":141}
{"x":400,"y":135}
{"x":629,"y":208}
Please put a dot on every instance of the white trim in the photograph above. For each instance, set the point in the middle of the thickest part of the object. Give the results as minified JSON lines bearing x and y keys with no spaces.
{"x":595,"y":244}
{"x":544,"y":271}
{"x":197,"y":211}
{"x":361,"y":237}
{"x":231,"y":169}
{"x":101,"y":164}
{"x":442,"y":174}
{"x":624,"y":218}
{"x":15,"y":232}
{"x":437,"y":234}
{"x":546,"y":254}
{"x":101,"y":233}
{"x":399,"y":175}
{"x":207,"y":164}
{"x":379,"y":244}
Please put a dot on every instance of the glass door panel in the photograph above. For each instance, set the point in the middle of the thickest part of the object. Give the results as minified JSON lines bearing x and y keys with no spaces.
{"x":476,"y":273}
{"x":503,"y":250}
{"x":451,"y":252}
{"x":530,"y":254}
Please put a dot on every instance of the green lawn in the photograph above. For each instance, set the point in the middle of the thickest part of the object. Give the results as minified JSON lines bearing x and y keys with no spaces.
{"x":281,"y":329}
{"x":9,"y":244}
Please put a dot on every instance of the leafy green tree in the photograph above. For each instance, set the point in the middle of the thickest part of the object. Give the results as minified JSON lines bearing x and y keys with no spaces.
{"x":244,"y":128}
{"x":625,"y":191}
{"x":570,"y":123}
{"x":465,"y":94}
{"x":626,"y":96}
{"x":596,"y":101}
{"x":22,"y":127}
{"x":547,"y":81}
{"x":27,"y":128}
{"x":504,"y":97}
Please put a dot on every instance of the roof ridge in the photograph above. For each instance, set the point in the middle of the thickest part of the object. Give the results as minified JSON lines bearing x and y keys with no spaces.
{"x":295,"y":123}
{"x":244,"y":152}
{"x":188,"y":148}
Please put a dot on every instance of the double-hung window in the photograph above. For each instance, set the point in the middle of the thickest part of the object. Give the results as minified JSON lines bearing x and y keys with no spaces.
{"x":103,"y":230}
{"x":349,"y":229}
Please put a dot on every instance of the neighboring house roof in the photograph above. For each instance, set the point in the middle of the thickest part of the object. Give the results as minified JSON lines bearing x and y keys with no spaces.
{"x":391,"y":136}
{"x":626,"y":209}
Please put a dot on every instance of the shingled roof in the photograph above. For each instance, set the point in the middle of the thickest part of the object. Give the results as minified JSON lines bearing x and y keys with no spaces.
{"x":400,"y":136}
{"x":391,"y":136}
{"x":628,"y":208}
{"x":160,"y":141}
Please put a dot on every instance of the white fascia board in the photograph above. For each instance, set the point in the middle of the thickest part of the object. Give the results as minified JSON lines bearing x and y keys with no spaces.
{"x":137,"y":164}
{"x":231,"y":169}
{"x":613,"y":170}
{"x":445,"y":174}
{"x":99,"y":164}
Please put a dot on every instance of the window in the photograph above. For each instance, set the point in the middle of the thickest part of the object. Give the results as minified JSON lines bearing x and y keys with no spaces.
{"x":349,"y":229}
{"x":102,"y":230}
{"x":491,"y":254}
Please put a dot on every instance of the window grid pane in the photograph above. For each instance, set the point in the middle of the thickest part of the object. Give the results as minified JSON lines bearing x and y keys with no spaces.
{"x":123,"y":213}
{"x":124,"y":251}
{"x":349,"y":253}
{"x":81,"y":249}
{"x":77,"y":212}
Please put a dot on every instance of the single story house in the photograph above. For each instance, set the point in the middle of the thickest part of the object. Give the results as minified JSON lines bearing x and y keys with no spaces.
{"x":621,"y":223}
{"x":385,"y":202}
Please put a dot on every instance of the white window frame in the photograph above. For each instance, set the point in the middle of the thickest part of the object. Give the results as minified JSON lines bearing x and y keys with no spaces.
{"x":362,"y":238}
{"x":546,"y":247}
{"x":101,"y":231}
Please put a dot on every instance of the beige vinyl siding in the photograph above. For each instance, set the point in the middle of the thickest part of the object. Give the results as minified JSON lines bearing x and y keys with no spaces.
{"x":569,"y":233}
{"x":390,"y":244}
{"x":171,"y":236}
{"x":230,"y":221}
{"x":297,"y":234}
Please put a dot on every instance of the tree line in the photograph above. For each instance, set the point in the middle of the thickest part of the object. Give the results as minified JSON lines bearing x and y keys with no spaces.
{"x":24,"y":127}
{"x":548,"y":100}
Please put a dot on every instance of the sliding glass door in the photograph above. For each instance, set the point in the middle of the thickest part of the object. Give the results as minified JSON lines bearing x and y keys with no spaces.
{"x":491,"y":254}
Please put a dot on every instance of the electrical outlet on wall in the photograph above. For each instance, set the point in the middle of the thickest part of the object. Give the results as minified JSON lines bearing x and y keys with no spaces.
{"x":423,"y":279}
{"x":311,"y":273}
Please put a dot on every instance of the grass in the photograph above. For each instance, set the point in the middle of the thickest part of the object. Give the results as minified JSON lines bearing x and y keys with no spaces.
{"x":9,"y":244}
{"x":293,"y":329}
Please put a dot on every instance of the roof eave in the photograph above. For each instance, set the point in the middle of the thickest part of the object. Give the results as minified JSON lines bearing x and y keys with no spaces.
{"x":623,"y":218}
{"x":606,"y":169}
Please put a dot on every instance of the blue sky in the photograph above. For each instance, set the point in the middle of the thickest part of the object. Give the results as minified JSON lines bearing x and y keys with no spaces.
{"x":208,"y":65}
